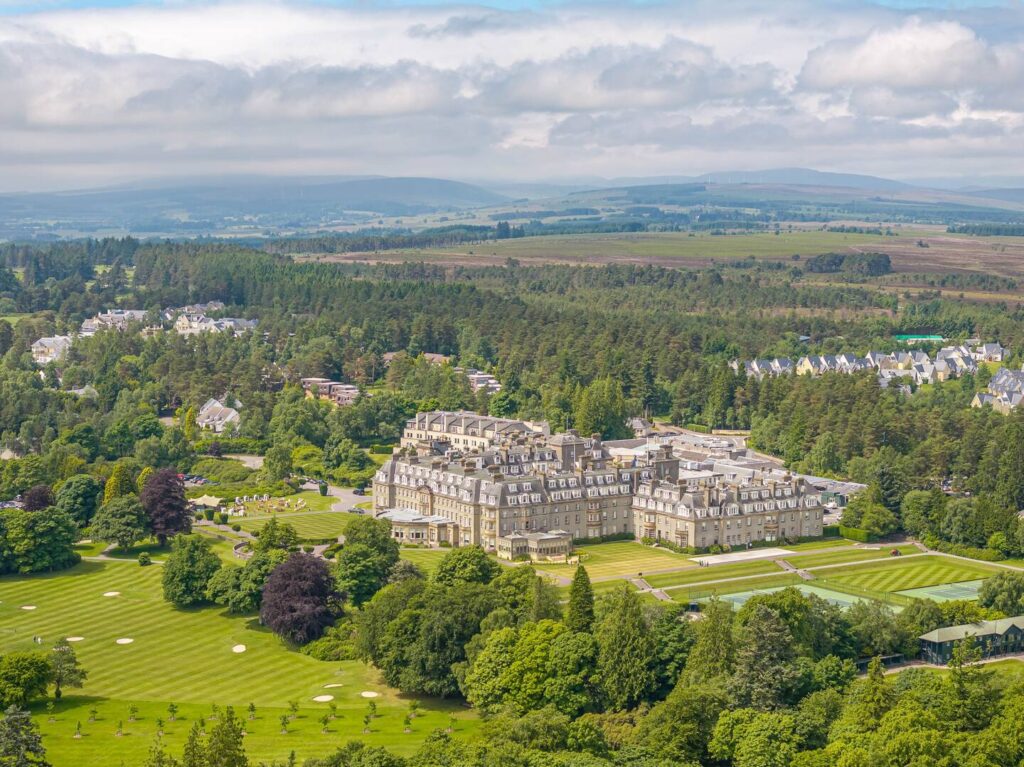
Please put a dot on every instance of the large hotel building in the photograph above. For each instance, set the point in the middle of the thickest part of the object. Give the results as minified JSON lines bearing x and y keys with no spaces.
{"x":511,"y":487}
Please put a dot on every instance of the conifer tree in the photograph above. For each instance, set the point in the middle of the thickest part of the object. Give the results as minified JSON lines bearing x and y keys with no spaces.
{"x":580,"y":616}
{"x":625,"y":660}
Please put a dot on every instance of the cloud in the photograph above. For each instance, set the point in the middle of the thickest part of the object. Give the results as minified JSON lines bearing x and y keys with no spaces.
{"x":290,"y":87}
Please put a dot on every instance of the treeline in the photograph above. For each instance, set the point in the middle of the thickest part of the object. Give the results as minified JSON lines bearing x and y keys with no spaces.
{"x":865,"y":264}
{"x":988,"y":229}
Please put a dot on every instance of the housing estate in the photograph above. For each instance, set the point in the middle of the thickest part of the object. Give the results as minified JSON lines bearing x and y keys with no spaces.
{"x":915,"y":365}
{"x":1005,"y":391}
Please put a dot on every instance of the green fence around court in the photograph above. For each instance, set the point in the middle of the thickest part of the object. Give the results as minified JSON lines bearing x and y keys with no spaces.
{"x":889,"y":597}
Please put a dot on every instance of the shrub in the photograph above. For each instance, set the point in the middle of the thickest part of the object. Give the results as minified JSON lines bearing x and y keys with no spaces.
{"x":223,"y":517}
{"x":606,"y":538}
{"x":144,"y":559}
{"x":208,"y":514}
{"x":236,"y":527}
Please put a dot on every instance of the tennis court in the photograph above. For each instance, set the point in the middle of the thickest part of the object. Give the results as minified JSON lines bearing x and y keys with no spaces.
{"x":835,"y":597}
{"x":946,"y":592}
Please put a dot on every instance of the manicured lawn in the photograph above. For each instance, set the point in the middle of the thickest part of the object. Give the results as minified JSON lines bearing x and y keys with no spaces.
{"x":713,"y":573}
{"x":426,"y":559}
{"x":185,"y":657}
{"x":620,"y":559}
{"x":847,"y":554}
{"x":703,"y":591}
{"x":309,"y":525}
{"x":900,"y":574}
{"x":824,"y":543}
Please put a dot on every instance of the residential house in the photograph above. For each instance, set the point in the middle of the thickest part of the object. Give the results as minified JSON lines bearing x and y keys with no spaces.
{"x":189,"y":324}
{"x":990,"y":352}
{"x":50,"y":349}
{"x":216,"y":416}
{"x":118,"y":319}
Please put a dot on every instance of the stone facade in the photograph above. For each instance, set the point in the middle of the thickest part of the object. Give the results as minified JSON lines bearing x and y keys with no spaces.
{"x":559,"y":483}
{"x":465,"y":431}
{"x":704,"y":508}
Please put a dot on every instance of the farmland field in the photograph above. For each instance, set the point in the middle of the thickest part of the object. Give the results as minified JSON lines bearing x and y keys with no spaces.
{"x":912,"y":249}
{"x":186,"y":657}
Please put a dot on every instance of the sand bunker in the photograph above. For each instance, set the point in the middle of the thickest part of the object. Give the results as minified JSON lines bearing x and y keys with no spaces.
{"x":125,"y":640}
{"x":332,"y":686}
{"x":369,"y":694}
{"x":112,"y":593}
{"x":239,"y":648}
{"x":75,"y":639}
{"x":323,"y":698}
{"x":28,"y":607}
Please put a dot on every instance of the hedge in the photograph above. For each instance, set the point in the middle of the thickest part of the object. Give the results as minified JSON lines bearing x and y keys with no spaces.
{"x":605,"y":538}
{"x":697,"y":427}
{"x":960,"y":550}
{"x":855,"y":534}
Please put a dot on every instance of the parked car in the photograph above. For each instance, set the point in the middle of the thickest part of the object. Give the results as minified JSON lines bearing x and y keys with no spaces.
{"x":358,"y":491}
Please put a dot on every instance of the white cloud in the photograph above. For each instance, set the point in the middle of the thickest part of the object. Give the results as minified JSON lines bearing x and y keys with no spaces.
{"x":253,"y":86}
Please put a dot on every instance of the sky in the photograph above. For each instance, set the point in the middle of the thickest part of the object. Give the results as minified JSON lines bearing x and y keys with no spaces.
{"x":96,"y":92}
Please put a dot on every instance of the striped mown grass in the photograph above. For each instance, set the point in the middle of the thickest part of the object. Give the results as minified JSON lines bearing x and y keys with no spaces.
{"x":714,"y":573}
{"x":894,"y":575}
{"x":844,"y":555}
{"x":705,"y":590}
{"x":620,"y":559}
{"x":310,"y":525}
{"x":184,"y":657}
{"x":426,"y":559}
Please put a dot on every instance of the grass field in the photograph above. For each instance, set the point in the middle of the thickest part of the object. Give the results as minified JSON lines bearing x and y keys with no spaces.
{"x":620,"y":559}
{"x":704,"y":590}
{"x":186,"y":657}
{"x":842,"y":555}
{"x":314,"y":521}
{"x":885,"y":578}
{"x":426,"y":559}
{"x":714,"y":573}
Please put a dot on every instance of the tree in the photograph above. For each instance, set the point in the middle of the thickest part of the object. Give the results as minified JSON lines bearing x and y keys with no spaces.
{"x":224,"y":747}
{"x":580,"y":614}
{"x":625,"y":651}
{"x":64,"y":668}
{"x":240,"y":589}
{"x":467,"y":564}
{"x":163,"y":498}
{"x":766,"y":674}
{"x":188,"y":570}
{"x":20,"y":742}
{"x":37,"y":541}
{"x":974,"y":700}
{"x":122,"y":521}
{"x":23,"y":677}
{"x":37,"y":498}
{"x":362,"y":572}
{"x":120,"y":484}
{"x":276,"y":535}
{"x":277,"y":463}
{"x":713,"y":653}
{"x":299,"y":599}
{"x":79,"y":498}
{"x":601,"y":409}
{"x":1003,"y":592}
